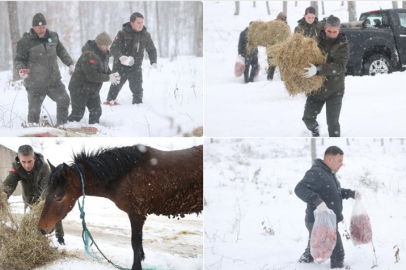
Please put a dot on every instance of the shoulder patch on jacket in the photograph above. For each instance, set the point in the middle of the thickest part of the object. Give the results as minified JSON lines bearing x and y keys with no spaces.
{"x":117,"y":38}
{"x":13,"y":170}
{"x":92,"y":61}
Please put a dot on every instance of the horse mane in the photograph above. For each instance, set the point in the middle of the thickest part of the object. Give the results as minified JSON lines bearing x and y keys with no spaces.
{"x":110,"y":163}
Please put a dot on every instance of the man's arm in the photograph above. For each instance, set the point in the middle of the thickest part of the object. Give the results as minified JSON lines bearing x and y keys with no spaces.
{"x":150,"y":48}
{"x":337,"y":66}
{"x":90,"y":63}
{"x":44,"y":179}
{"x":242,"y":42}
{"x":307,"y":189}
{"x":21,"y":57}
{"x":63,"y":53}
{"x":347,"y":193}
{"x":116,"y":46}
{"x":10,"y":184}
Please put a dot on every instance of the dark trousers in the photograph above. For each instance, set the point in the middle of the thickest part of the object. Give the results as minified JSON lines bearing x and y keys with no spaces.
{"x":338,"y":251}
{"x":57,"y":93}
{"x":79,"y":105}
{"x":135,"y":80}
{"x":271,"y":70}
{"x":253,"y":62}
{"x":333,"y":108}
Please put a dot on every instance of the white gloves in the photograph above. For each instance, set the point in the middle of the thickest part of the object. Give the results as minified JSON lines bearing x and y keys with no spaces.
{"x":154,"y":65}
{"x":322,"y":207}
{"x":71,"y":69}
{"x":23,"y":73}
{"x":114,"y":78}
{"x":358,"y":195}
{"x":311,"y":71}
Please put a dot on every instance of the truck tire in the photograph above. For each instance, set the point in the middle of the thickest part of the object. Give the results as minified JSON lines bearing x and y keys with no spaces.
{"x":377,"y":64}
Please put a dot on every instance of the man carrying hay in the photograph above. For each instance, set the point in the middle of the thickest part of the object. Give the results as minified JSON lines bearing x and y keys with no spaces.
{"x":271,"y":69}
{"x":320,"y":189}
{"x":251,"y":58}
{"x":309,"y":25}
{"x":335,"y":46}
{"x":30,"y":168}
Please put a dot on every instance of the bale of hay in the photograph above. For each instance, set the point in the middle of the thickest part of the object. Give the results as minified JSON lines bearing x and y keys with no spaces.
{"x":24,"y":247}
{"x":291,"y":57}
{"x":266,"y":34}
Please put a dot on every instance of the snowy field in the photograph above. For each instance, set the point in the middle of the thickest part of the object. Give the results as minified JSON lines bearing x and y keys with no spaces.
{"x":372,"y":106}
{"x":172,"y":104}
{"x":254,"y":220}
{"x":169,"y":244}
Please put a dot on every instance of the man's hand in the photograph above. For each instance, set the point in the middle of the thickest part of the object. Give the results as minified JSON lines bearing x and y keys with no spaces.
{"x":311,"y":71}
{"x":71,"y":69}
{"x":154,"y":65}
{"x":114,"y":78}
{"x":322,"y":207}
{"x":24,"y":73}
{"x":358,"y":195}
{"x":61,"y":241}
{"x":123,"y":59}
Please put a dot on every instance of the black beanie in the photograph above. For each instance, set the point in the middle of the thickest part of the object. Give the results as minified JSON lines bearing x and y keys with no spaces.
{"x":38,"y":20}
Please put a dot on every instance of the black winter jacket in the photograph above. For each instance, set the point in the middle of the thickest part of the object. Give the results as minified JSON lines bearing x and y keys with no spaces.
{"x":242,"y":45}
{"x":321,"y":185}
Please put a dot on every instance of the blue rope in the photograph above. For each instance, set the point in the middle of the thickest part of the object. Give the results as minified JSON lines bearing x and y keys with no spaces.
{"x":86,"y":235}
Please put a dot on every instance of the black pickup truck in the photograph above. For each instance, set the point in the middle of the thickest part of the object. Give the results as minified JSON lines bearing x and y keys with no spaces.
{"x":377,"y":42}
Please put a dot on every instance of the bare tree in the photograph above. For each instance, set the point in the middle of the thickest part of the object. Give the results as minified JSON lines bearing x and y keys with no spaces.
{"x":295,"y":3}
{"x":313,"y":151}
{"x":285,"y":7}
{"x":348,"y":141}
{"x":198,"y":30}
{"x":145,"y":12}
{"x":267,"y":8}
{"x":315,"y":4}
{"x":322,"y":8}
{"x":404,"y":4}
{"x":352,"y":11}
{"x":14,"y":33}
{"x":237,"y":8}
{"x":342,"y":3}
{"x":157,"y":27}
{"x":254,"y":4}
{"x":395,"y":4}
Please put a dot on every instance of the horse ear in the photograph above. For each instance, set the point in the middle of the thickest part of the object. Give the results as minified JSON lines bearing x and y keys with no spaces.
{"x":66,"y":170}
{"x":50,"y":165}
{"x":70,"y":175}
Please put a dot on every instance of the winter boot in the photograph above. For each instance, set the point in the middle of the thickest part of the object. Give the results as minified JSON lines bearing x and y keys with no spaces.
{"x":337,"y":265}
{"x":306,"y":257}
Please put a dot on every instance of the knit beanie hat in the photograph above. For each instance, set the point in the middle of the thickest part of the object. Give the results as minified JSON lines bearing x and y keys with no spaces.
{"x":103,"y":39}
{"x":38,"y":20}
{"x":281,"y":16}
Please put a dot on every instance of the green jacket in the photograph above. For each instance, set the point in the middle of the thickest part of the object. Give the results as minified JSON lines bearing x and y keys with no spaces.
{"x":337,"y":52}
{"x":40,"y":56}
{"x":131,"y":43}
{"x":309,"y":30}
{"x":92,"y":69}
{"x":33,"y":182}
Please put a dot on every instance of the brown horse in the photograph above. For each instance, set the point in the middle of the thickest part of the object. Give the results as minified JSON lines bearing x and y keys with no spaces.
{"x":139,"y":179}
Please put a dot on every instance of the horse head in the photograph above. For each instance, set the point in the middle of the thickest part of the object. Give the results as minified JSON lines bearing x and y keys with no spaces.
{"x":63,"y":190}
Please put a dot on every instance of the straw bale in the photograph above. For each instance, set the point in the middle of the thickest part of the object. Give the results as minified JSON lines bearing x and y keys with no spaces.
{"x":266,"y":34}
{"x":23,"y":246}
{"x":292,"y":57}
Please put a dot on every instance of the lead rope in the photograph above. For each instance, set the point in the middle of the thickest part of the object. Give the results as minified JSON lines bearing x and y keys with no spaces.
{"x":86,"y":235}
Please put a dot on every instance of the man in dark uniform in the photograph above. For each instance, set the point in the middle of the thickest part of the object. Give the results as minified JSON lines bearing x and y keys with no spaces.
{"x":271,"y":69}
{"x":92,"y":69}
{"x":321,"y":189}
{"x":131,"y":42}
{"x":309,"y":25}
{"x":251,"y":58}
{"x":30,"y":168}
{"x":335,"y":46}
{"x":36,"y":61}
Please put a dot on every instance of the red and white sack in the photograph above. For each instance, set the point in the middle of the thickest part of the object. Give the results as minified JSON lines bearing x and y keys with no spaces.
{"x":360,"y":226}
{"x":324,"y":235}
{"x":239,"y":66}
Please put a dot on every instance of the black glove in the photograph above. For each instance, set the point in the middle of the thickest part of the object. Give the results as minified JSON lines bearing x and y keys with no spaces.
{"x":61,"y":241}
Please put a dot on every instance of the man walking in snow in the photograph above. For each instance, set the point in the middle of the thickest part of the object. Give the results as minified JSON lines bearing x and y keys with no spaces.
{"x":31,"y":170}
{"x":36,"y":61}
{"x":335,"y":46}
{"x":92,"y":69}
{"x":251,"y":58}
{"x":128,"y":52}
{"x":321,"y":189}
{"x":271,"y":69}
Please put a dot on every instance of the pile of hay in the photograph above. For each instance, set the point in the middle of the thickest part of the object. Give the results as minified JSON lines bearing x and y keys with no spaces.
{"x":22,"y":246}
{"x":291,"y":57}
{"x":266,"y":34}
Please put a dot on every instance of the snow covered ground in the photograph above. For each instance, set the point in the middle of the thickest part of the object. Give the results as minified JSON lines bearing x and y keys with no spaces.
{"x":172,"y":104}
{"x":169,"y":244}
{"x":254,"y":220}
{"x":372,"y":106}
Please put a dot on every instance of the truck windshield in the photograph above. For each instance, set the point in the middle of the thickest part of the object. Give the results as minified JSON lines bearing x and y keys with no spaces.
{"x":377,"y":19}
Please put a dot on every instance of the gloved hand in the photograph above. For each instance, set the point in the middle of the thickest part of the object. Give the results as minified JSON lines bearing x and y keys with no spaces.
{"x":358,"y":195}
{"x":123,"y":59}
{"x":71,"y":69}
{"x":61,"y":241}
{"x":24,"y":73}
{"x":114,"y":78}
{"x":154,"y":65}
{"x":311,"y":71}
{"x":322,"y":207}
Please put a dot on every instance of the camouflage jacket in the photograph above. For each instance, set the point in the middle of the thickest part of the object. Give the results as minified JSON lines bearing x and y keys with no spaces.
{"x":309,"y":30}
